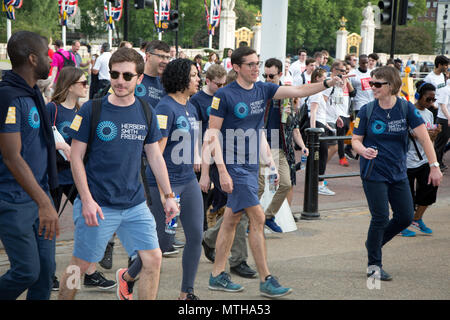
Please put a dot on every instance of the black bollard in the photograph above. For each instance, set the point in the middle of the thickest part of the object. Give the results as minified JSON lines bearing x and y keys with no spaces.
{"x":311,"y":195}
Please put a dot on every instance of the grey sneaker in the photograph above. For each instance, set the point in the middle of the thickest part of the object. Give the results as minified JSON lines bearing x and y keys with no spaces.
{"x":272,"y":289}
{"x":98,"y":280}
{"x":323,"y":190}
{"x":223,"y":283}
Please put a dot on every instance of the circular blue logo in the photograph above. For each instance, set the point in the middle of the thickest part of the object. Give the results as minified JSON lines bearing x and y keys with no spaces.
{"x":62,"y":128}
{"x":241,"y":110}
{"x":417,"y":113}
{"x":140,"y":90}
{"x":106,"y":131}
{"x":33,"y":118}
{"x":378,"y":127}
{"x":208,"y":111}
{"x":183,"y":123}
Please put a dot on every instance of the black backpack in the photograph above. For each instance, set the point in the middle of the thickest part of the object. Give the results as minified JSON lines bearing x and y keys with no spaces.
{"x":67,"y":62}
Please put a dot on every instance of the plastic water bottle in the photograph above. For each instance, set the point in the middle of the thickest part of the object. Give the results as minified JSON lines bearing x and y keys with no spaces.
{"x":272,"y":178}
{"x":171,"y":225}
{"x":284,"y":113}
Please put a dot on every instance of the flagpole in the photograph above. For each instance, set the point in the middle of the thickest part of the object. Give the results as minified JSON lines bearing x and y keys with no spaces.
{"x":210,"y":23}
{"x":64,"y":26}
{"x":8,"y":29}
{"x":159,"y":21}
{"x":109,"y":27}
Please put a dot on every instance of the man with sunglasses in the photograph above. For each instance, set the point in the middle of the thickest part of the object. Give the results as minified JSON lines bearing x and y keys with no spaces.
{"x":235,"y":140}
{"x":157,"y":58}
{"x":111,"y":196}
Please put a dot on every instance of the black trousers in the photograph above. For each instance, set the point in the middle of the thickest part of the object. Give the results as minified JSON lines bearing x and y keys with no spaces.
{"x":441,"y":139}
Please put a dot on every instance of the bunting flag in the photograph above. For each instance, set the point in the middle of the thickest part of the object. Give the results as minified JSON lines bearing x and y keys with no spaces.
{"x":116,"y":13}
{"x":165,"y":13}
{"x":213,"y":21}
{"x":67,"y":8}
{"x":9,"y":6}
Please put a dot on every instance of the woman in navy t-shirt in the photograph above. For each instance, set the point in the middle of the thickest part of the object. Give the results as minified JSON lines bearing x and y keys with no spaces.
{"x":380,"y":137}
{"x":70,"y":87}
{"x":178,"y":122}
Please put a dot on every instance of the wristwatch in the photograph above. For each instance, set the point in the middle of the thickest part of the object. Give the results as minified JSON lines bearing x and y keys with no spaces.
{"x":325,"y":84}
{"x":434,"y":164}
{"x":169,"y":195}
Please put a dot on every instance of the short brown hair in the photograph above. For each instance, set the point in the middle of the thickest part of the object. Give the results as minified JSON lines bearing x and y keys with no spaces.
{"x":309,"y":61}
{"x":391,"y":75}
{"x":128,"y":55}
{"x":317,"y":74}
{"x":215,"y":71}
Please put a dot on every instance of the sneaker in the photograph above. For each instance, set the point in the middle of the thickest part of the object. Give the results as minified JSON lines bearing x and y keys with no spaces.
{"x":98,"y":280}
{"x":349,"y":154}
{"x":273,"y":225}
{"x":178,"y":244}
{"x":323,"y":190}
{"x":272,"y":289}
{"x":419,"y":225}
{"x":106,"y":262}
{"x":408,"y":233}
{"x":124,"y":288}
{"x":55,"y":286}
{"x":223,"y":283}
{"x":190,"y":296}
{"x":382,"y":275}
{"x":210,"y":253}
{"x":343,"y":162}
{"x":172,"y":251}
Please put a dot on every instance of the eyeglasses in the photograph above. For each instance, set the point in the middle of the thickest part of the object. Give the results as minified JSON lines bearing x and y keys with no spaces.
{"x":161,"y":56}
{"x":127,"y":76}
{"x":342,"y":70}
{"x":253,"y":65}
{"x":83,"y":83}
{"x":325,"y":58}
{"x":219,"y":85}
{"x":430,"y":99}
{"x":377,"y":84}
{"x":271,"y":76}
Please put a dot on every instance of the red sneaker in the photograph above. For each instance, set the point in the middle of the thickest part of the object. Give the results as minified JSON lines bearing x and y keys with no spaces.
{"x":124,"y":292}
{"x":343,"y":162}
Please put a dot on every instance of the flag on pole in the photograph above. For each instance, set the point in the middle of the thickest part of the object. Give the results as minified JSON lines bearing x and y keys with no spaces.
{"x":67,"y":8}
{"x":165,"y":16}
{"x":116,"y":13}
{"x":213,"y":20}
{"x":9,"y":6}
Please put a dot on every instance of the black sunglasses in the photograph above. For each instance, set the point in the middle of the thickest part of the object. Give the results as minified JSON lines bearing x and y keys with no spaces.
{"x":127,"y":76}
{"x":430,"y":99}
{"x":161,"y":56}
{"x":219,"y":85}
{"x":377,"y":84}
{"x":271,"y":76}
{"x":83,"y":83}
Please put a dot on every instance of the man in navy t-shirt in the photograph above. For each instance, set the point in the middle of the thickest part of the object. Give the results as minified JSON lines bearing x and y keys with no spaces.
{"x":28,"y":220}
{"x":151,"y":88}
{"x":235,"y":139}
{"x":111,"y":196}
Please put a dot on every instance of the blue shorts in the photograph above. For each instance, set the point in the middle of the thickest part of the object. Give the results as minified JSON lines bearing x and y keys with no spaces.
{"x":245,"y":189}
{"x":135,"y":227}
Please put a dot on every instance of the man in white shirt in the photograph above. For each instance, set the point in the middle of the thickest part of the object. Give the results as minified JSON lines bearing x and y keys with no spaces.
{"x":360,"y":82}
{"x":437,"y":78}
{"x":101,"y":68}
{"x":300,"y":65}
{"x":305,"y":76}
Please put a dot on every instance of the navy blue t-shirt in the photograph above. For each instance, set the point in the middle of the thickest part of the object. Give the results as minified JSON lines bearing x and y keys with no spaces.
{"x":114,"y":163}
{"x":23,"y":116}
{"x":242,"y":111}
{"x":179,"y":123}
{"x":202,"y":102}
{"x":273,"y":121}
{"x":62,"y":121}
{"x":387,"y":130}
{"x":150,"y":89}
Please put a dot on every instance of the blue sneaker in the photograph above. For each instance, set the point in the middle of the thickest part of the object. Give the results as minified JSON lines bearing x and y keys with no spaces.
{"x":408,"y":233}
{"x":419,"y":225}
{"x":272,"y":289}
{"x":223,"y":283}
{"x":273,"y":225}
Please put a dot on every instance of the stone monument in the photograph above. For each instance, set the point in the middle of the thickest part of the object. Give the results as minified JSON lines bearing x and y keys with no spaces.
{"x":257,"y":34}
{"x":227,"y":25}
{"x":341,"y":40}
{"x":368,"y":30}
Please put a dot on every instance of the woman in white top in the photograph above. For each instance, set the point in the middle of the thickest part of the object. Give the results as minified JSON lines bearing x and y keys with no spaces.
{"x":424,"y":194}
{"x":213,"y":58}
{"x":318,"y":119}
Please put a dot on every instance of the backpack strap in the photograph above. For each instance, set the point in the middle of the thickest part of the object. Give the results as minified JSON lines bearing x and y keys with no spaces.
{"x":148,"y":117}
{"x":56,"y":113}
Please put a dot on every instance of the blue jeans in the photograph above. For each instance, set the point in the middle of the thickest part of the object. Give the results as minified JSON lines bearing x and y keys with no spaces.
{"x":31,"y":257}
{"x":381,"y":230}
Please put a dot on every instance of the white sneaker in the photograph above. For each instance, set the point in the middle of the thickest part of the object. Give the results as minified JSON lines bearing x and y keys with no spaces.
{"x":323,"y":190}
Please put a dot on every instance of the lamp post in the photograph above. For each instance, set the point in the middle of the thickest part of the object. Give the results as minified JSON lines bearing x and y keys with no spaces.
{"x":444,"y":32}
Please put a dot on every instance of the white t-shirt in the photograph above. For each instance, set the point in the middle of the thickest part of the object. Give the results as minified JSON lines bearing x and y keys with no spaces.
{"x":227,"y":64}
{"x":337,"y":103}
{"x":321,"y":113}
{"x":286,"y":79}
{"x":412,"y":159}
{"x":102,"y":65}
{"x":446,"y":102}
{"x":296,"y":70}
{"x":364,"y":92}
{"x":441,"y":91}
{"x":207,"y":65}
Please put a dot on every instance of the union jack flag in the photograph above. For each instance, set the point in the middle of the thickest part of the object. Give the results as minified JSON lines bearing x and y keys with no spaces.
{"x":165,"y":9}
{"x":116,"y":13}
{"x":67,"y":8}
{"x":9,"y":7}
{"x":213,"y":20}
